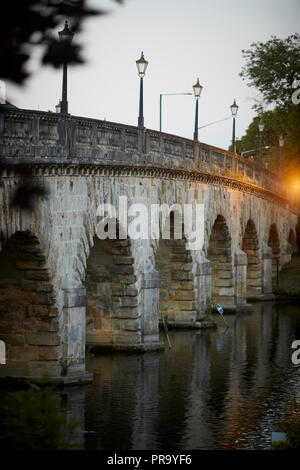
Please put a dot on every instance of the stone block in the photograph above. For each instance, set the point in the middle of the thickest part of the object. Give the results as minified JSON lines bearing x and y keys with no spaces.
{"x":127,"y":338}
{"x":128,"y":302}
{"x":99,"y":337}
{"x":225,"y":274}
{"x":38,"y":310}
{"x":183,"y":295}
{"x":182,"y":276}
{"x":224,"y":282}
{"x":122,"y":269}
{"x":37,"y":275}
{"x":43,"y":339}
{"x":17,"y":353}
{"x":46,"y":324}
{"x":128,"y":279}
{"x":185,"y":316}
{"x":130,"y":325}
{"x":120,"y":260}
{"x":48,"y":353}
{"x":131,"y":291}
{"x":13,"y":339}
{"x":40,"y":368}
{"x":128,"y":312}
{"x":226,"y":291}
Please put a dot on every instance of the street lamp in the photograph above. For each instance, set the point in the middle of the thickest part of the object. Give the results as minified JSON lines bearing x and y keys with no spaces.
{"x":261,"y":129}
{"x":58,"y":107}
{"x":160,"y":104}
{"x":141,"y":64}
{"x":234,"y":109}
{"x":197,"y":92}
{"x":281,"y":144}
{"x":65,"y":36}
{"x":253,"y":150}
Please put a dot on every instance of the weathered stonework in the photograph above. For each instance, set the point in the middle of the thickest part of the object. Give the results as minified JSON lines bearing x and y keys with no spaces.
{"x":66,"y":288}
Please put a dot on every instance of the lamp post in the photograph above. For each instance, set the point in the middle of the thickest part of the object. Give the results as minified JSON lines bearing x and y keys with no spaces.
{"x":234,"y":109}
{"x":197,"y":92}
{"x":261,"y":129}
{"x":160,"y":105}
{"x":253,"y":150}
{"x":58,"y":107}
{"x":67,"y":36}
{"x":281,"y":144}
{"x":141,"y":64}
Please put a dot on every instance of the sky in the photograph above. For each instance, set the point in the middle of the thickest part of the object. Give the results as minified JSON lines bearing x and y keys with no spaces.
{"x":182,"y":40}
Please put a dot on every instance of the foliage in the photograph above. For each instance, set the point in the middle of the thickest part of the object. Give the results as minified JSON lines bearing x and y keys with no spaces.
{"x":210,"y":307}
{"x":32,"y":422}
{"x":292,"y":429}
{"x":31,"y":23}
{"x":272,"y":67}
{"x":276,"y":122}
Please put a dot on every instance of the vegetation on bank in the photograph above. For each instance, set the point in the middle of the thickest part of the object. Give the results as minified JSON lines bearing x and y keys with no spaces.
{"x":272,"y":68}
{"x":30,"y":420}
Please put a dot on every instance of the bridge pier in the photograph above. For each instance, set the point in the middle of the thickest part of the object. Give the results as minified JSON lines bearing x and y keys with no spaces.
{"x":240,"y":263}
{"x":73,"y":358}
{"x":151,"y":284}
{"x":267,"y":290}
{"x":203,"y":281}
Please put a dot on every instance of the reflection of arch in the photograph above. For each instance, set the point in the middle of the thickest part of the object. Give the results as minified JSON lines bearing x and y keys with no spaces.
{"x":292,"y":241}
{"x":112,"y":313}
{"x":174,"y":263}
{"x":28,"y":320}
{"x":219,"y":254}
{"x":274,"y":243}
{"x":251,"y":247}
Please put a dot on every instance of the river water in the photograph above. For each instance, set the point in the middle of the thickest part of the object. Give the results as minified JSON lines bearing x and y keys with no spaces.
{"x":215,"y":389}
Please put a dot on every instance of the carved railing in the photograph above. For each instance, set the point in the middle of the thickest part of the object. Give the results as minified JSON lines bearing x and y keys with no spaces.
{"x":43,"y":137}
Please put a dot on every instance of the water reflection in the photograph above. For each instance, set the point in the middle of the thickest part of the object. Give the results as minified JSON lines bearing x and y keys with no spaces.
{"x":214,"y":390}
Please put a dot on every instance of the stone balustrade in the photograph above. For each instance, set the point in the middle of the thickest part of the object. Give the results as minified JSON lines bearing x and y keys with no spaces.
{"x":43,"y":137}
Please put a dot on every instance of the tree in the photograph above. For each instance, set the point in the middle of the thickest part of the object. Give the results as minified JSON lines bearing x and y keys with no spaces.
{"x":272,"y":68}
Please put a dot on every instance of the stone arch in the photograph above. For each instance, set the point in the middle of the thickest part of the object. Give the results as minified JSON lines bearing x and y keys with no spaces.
{"x":113,"y":316}
{"x":274,"y":243}
{"x":220,"y":256}
{"x":292,"y":241}
{"x":177,"y":296}
{"x":28,"y":317}
{"x":250,"y":246}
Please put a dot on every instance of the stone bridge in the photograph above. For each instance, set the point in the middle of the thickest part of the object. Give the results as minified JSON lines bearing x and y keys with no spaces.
{"x":62,"y":288}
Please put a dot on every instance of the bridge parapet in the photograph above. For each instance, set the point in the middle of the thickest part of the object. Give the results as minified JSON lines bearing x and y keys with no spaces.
{"x":28,"y":136}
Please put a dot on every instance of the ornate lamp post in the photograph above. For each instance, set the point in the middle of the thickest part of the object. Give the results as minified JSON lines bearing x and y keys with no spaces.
{"x":281,"y":144}
{"x":197,"y":92}
{"x":65,"y":35}
{"x":234,"y":109}
{"x":261,"y":129}
{"x":142,"y":65}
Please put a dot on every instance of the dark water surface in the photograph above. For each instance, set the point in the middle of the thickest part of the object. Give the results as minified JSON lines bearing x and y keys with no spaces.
{"x":215,"y":389}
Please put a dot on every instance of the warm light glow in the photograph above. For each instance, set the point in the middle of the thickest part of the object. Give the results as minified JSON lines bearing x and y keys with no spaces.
{"x":295,"y":186}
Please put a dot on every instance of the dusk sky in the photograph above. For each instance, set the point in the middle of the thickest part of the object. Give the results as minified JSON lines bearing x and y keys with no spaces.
{"x":182,"y":40}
